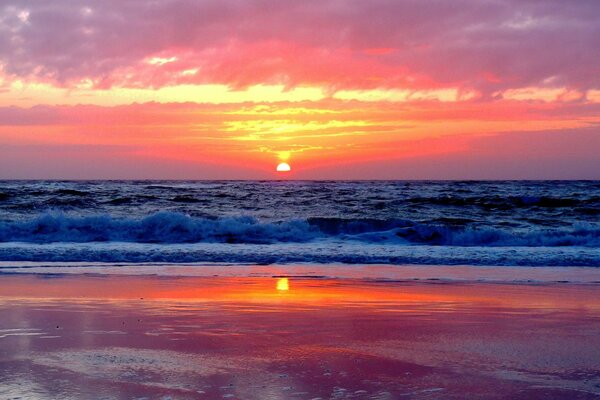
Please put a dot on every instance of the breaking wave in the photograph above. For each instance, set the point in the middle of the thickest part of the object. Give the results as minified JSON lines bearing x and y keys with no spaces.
{"x":173,"y":228}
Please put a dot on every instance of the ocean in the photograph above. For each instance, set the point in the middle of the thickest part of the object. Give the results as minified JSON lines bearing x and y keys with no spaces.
{"x":494,"y":223}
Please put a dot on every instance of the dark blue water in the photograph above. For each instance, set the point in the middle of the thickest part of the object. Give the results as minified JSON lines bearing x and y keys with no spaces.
{"x":397,"y":222}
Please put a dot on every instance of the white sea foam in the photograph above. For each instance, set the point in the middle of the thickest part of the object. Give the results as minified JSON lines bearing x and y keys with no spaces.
{"x":169,"y":227}
{"x":326,"y":252}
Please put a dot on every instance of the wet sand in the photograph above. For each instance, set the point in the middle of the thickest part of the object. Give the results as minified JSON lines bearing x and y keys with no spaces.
{"x":72,"y":336}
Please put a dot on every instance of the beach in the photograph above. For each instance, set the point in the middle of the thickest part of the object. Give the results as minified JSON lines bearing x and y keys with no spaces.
{"x":312,"y":200}
{"x":299,"y":290}
{"x":302,"y":332}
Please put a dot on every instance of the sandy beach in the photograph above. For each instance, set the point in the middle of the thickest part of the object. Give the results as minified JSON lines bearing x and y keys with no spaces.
{"x":311,"y":200}
{"x":107,"y":336}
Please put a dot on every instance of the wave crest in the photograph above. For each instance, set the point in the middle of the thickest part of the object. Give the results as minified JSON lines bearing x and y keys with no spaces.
{"x":162,"y":227}
{"x":169,"y":227}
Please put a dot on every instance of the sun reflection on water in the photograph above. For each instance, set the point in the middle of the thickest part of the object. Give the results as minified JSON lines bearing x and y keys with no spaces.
{"x":283,"y":284}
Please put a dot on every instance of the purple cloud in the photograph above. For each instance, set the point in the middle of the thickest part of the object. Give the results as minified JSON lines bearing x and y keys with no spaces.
{"x":486,"y":45}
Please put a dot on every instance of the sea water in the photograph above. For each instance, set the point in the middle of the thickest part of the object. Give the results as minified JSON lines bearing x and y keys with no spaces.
{"x":512,"y":223}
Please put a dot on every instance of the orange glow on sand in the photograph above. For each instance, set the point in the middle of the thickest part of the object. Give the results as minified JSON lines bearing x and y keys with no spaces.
{"x":246,"y":329}
{"x":322,"y":292}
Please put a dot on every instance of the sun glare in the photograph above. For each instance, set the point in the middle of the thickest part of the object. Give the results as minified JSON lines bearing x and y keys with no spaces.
{"x":284,"y":167}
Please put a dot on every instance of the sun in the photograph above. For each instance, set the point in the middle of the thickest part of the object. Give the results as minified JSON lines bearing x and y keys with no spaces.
{"x":284,"y":167}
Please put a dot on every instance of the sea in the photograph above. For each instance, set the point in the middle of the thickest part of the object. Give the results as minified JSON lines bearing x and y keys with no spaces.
{"x":479,"y":223}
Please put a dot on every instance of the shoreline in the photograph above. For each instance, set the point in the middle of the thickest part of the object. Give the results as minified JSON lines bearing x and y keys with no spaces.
{"x":275,"y":337}
{"x":369,"y":272}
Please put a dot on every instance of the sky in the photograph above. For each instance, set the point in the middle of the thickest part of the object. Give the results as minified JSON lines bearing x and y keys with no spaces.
{"x":338,"y":89}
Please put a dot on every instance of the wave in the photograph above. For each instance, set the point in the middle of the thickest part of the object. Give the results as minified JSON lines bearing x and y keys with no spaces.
{"x":71,"y":192}
{"x":162,"y":227}
{"x":67,"y":202}
{"x":185,"y":199}
{"x":506,"y":202}
{"x":169,"y":227}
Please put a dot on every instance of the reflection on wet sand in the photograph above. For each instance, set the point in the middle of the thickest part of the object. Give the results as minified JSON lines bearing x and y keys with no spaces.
{"x":283,"y":284}
{"x":123,"y":337}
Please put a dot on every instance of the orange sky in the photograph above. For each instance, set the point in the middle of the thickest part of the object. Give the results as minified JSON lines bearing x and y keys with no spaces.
{"x":377,"y":90}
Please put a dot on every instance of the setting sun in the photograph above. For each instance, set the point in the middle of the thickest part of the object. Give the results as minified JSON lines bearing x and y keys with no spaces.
{"x":284,"y":167}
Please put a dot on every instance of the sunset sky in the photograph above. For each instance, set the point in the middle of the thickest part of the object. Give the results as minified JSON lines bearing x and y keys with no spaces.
{"x":339,"y":89}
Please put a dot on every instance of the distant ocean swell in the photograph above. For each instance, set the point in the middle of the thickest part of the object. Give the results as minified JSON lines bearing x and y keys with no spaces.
{"x":178,"y":228}
{"x":70,"y":198}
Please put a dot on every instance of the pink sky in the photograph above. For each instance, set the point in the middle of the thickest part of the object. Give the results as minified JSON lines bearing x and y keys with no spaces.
{"x":227,"y":89}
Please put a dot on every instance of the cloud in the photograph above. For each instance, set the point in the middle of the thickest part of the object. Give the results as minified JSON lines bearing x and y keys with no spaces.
{"x":380,"y":112}
{"x":486,"y":46}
